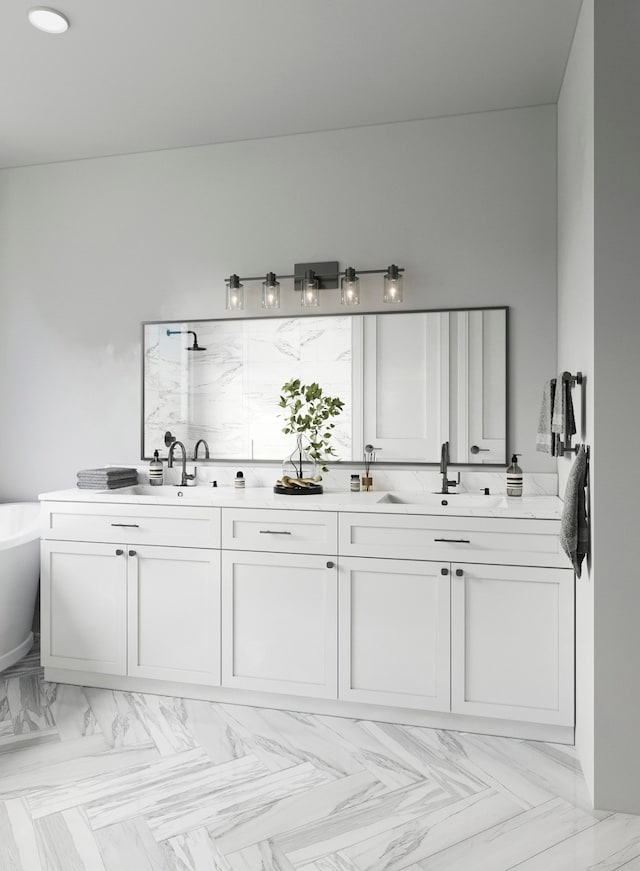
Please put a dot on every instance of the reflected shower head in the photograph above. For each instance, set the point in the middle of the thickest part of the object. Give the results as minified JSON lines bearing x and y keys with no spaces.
{"x":195,"y":346}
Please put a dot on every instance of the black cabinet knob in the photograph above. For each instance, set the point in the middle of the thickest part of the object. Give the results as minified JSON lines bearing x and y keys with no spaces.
{"x":119,"y":551}
{"x":330,"y":564}
{"x":132,"y":553}
{"x":444,"y":571}
{"x":459,"y":573}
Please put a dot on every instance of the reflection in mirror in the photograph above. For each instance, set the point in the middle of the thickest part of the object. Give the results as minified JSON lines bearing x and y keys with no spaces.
{"x":409,"y":381}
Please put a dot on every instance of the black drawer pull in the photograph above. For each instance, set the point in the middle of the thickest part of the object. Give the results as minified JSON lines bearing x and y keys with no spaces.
{"x":454,"y":540}
{"x":274,"y":532}
{"x":136,"y":525}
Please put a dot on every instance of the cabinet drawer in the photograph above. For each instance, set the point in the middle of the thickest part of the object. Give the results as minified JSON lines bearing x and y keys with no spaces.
{"x":477,"y":539}
{"x":155,"y":524}
{"x":280,"y":531}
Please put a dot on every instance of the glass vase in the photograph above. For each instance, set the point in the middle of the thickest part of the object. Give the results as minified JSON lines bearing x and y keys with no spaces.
{"x":299,"y":466}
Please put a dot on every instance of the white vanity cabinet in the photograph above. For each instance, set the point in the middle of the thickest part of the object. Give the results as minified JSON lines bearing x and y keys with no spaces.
{"x":84,"y":606}
{"x":394,"y":633}
{"x":512,"y":643}
{"x":131,"y":606}
{"x":511,"y":615}
{"x":280,"y":601}
{"x":462,"y":621}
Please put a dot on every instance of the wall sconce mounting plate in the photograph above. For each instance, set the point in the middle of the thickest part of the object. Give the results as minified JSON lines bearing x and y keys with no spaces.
{"x":326,"y":274}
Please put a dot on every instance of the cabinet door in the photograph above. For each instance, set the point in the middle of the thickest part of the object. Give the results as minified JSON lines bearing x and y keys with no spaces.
{"x":394,"y":633}
{"x":512,"y":630}
{"x":279,"y":623}
{"x":84,"y":606}
{"x":174,"y":614}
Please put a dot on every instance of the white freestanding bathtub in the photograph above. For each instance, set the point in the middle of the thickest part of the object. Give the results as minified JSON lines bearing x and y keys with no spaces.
{"x":19,"y":575}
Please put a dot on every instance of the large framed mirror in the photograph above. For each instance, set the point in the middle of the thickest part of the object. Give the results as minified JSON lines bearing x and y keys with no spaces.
{"x":409,"y":380}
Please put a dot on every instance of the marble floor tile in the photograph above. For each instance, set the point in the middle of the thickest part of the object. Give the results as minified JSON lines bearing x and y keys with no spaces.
{"x":501,"y":847}
{"x":212,"y":731}
{"x":6,"y":725}
{"x":152,"y":783}
{"x":605,"y":846}
{"x":95,"y":780}
{"x":294,"y":811}
{"x":445,"y":770}
{"x":29,"y":664}
{"x":46,"y":766}
{"x":285,"y":738}
{"x":260,"y":857}
{"x":374,"y":756}
{"x":19,"y":833}
{"x":118,"y":720}
{"x":194,"y":850}
{"x":70,"y":711}
{"x":395,"y":848}
{"x":67,"y":843}
{"x":223,"y":810}
{"x":309,"y":843}
{"x":29,"y":703}
{"x":525,"y":769}
{"x":130,"y":846}
{"x":164,"y":719}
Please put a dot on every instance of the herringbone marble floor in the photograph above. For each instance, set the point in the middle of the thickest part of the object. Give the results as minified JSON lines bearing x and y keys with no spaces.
{"x":111,"y":781}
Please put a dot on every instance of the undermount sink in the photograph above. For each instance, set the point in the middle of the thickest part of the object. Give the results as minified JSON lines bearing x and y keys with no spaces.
{"x":447,"y":500}
{"x":163,"y":491}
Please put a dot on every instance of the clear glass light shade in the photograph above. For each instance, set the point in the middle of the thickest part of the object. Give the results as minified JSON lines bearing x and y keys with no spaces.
{"x":392,"y":286}
{"x":235,"y":296}
{"x":310,"y":294}
{"x":349,"y":291}
{"x":270,"y":293}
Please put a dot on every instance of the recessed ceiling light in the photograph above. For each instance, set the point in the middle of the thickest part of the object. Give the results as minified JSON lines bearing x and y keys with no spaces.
{"x":48,"y":20}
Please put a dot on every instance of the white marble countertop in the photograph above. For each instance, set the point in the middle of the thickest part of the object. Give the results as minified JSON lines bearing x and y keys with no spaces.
{"x":378,"y":502}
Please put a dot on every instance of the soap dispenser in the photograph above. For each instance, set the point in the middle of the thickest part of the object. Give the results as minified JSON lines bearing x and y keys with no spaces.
{"x":514,"y":477}
{"x":156,"y":471}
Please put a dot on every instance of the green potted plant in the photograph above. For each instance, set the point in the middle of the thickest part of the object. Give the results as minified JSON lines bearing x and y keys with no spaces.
{"x":308,"y":414}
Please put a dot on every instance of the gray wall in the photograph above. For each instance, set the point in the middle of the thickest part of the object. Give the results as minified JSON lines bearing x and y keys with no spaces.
{"x":617,"y":415}
{"x":576,"y":324}
{"x":90,"y":248}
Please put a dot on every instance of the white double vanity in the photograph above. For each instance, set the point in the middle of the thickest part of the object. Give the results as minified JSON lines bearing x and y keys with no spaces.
{"x":378,"y":605}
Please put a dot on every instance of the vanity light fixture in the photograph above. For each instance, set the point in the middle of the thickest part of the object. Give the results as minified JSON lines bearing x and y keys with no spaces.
{"x":392,"y":285}
{"x":235,"y":294}
{"x":48,"y":20}
{"x":350,"y":287}
{"x":310,"y":286}
{"x":313,"y":278}
{"x":270,"y":291}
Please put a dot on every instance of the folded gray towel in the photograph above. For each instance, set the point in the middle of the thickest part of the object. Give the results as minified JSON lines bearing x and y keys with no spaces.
{"x":544,"y":438}
{"x":574,"y":528}
{"x":111,"y":485}
{"x":109,"y":472}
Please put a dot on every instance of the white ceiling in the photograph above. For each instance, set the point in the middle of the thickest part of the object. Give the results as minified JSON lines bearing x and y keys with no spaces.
{"x":139,"y":75}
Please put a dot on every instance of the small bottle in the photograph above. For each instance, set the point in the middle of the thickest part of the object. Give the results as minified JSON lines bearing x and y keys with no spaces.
{"x":514,"y":477}
{"x":156,"y":471}
{"x":239,"y":481}
{"x":355,"y":483}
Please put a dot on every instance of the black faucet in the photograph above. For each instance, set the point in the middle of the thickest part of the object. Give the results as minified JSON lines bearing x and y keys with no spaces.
{"x":444,"y":464}
{"x":206,"y":449}
{"x":184,"y":480}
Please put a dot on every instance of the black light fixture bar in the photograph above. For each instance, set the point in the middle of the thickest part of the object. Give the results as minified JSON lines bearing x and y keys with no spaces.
{"x":299,"y":276}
